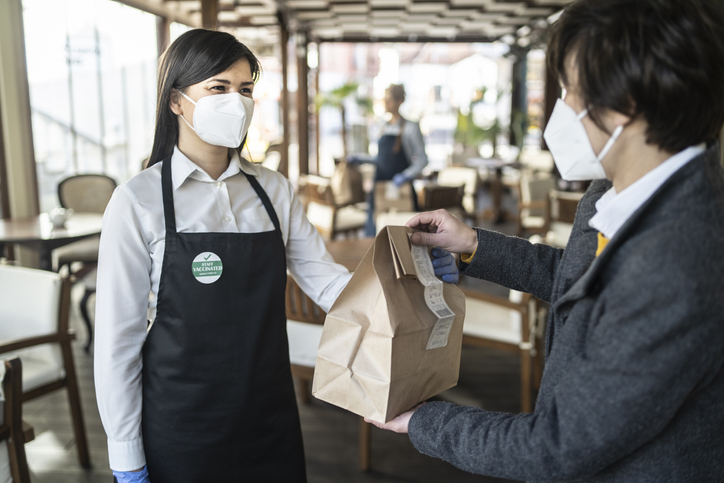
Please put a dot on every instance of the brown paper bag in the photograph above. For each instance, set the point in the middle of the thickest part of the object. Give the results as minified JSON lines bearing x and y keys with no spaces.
{"x":347,"y":184}
{"x":383,"y":350}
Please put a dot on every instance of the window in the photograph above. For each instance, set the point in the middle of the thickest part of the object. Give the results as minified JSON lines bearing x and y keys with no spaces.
{"x":92,"y":80}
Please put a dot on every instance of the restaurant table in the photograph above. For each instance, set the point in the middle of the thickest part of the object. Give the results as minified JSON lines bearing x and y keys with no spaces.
{"x":495,"y":213}
{"x":349,"y":252}
{"x":38,"y":233}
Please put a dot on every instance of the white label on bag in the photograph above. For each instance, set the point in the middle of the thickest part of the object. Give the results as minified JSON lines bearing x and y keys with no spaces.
{"x":434,"y":297}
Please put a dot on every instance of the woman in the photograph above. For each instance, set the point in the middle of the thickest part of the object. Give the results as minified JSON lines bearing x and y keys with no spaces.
{"x":205,"y":394}
{"x":400,"y":153}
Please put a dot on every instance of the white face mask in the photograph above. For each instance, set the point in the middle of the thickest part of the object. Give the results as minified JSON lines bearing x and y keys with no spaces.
{"x":222,"y":119}
{"x":569,"y":144}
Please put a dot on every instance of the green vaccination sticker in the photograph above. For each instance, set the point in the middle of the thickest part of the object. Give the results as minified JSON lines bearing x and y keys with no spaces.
{"x":207,"y":267}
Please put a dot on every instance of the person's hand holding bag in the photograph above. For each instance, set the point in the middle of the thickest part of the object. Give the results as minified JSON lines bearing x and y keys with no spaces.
{"x":441,"y":229}
{"x":140,"y":476}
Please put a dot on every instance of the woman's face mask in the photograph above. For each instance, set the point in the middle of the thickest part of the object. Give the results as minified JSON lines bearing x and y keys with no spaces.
{"x":222,"y":119}
{"x":569,"y":144}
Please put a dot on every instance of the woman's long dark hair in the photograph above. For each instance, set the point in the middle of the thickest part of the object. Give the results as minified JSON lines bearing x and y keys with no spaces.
{"x":193,"y":57}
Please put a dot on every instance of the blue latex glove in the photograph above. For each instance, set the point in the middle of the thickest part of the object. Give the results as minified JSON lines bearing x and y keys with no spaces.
{"x":354,"y":159}
{"x":399,"y":179}
{"x":132,"y":476}
{"x":444,"y":264}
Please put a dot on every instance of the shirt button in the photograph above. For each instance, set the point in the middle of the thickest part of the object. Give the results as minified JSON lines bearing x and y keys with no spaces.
{"x":227,"y":218}
{"x":218,"y":185}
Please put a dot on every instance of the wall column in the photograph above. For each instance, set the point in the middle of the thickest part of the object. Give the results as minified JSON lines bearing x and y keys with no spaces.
{"x":20,"y":177}
{"x":302,"y":102}
{"x":284,"y":98}
{"x":209,"y":14}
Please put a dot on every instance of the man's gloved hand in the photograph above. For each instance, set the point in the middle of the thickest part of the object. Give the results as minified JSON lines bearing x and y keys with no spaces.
{"x":354,"y":159}
{"x":399,"y":179}
{"x":132,"y":476}
{"x":444,"y":264}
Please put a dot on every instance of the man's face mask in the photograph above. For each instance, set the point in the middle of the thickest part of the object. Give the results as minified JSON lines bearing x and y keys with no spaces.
{"x":222,"y":119}
{"x":569,"y":144}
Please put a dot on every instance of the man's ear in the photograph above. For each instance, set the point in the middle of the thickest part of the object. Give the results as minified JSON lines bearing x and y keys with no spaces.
{"x":175,"y":102}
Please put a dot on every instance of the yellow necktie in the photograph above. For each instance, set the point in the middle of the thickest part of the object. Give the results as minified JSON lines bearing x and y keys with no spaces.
{"x":602,"y":242}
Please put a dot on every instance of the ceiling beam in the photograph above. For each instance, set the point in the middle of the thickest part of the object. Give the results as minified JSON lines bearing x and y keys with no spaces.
{"x":163,"y":9}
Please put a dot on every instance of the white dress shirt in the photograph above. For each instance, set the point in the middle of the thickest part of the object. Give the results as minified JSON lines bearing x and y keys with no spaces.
{"x":129,"y":270}
{"x":614,"y":209}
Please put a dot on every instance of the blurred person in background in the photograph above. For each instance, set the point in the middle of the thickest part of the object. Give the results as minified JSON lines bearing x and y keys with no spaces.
{"x":400,"y":152}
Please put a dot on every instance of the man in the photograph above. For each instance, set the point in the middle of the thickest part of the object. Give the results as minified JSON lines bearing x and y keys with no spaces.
{"x":633,"y":388}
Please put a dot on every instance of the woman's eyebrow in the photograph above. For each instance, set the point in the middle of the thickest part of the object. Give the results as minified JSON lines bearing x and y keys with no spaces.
{"x":227,"y":82}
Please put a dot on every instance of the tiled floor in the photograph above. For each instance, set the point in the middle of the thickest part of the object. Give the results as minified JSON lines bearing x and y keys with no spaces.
{"x":488,"y":379}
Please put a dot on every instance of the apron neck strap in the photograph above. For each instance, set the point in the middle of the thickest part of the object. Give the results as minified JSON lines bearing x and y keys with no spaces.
{"x":169,"y":214}
{"x":265,"y":200}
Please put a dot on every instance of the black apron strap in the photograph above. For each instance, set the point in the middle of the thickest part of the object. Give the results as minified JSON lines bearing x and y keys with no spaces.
{"x":265,"y":200}
{"x":169,"y":214}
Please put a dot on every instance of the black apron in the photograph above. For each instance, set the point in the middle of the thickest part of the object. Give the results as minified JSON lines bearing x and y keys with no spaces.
{"x":218,"y":398}
{"x":389,"y":163}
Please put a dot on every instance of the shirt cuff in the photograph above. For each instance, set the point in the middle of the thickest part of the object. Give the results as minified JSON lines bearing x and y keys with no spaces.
{"x":465,"y":258}
{"x":126,"y":455}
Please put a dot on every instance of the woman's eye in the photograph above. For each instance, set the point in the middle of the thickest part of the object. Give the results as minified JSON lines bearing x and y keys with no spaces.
{"x":219,"y":88}
{"x":246,"y":90}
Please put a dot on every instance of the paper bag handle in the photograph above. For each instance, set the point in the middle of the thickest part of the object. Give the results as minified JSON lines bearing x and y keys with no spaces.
{"x":401,"y":254}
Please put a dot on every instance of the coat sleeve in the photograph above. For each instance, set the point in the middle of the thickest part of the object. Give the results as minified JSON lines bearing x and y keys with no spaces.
{"x":514,"y":263}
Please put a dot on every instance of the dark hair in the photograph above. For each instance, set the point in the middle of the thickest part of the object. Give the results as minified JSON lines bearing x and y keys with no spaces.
{"x":660,"y":59}
{"x":193,"y":57}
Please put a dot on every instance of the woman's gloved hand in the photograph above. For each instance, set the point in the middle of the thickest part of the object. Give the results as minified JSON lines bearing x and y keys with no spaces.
{"x":444,"y":264}
{"x":132,"y":476}
{"x":399,"y":179}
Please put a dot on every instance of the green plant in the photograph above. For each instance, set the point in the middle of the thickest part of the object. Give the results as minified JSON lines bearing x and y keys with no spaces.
{"x":335,"y":99}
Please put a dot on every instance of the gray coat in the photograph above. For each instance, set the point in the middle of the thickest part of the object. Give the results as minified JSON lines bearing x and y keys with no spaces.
{"x":633,"y":387}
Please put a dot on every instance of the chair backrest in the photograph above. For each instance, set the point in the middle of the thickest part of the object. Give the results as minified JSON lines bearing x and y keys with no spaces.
{"x":300,"y":307}
{"x":467,"y":177}
{"x":32,"y":303}
{"x":86,"y":193}
{"x":535,"y":187}
{"x":13,"y":462}
{"x":437,"y":197}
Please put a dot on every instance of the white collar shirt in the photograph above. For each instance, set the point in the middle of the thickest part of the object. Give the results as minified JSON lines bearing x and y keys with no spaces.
{"x":129,"y":270}
{"x":614,"y":209}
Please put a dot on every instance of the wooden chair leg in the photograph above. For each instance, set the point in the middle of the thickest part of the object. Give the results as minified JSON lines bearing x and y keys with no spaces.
{"x":526,"y":383}
{"x":365,"y":443}
{"x":13,"y":413}
{"x":75,"y":407}
{"x":86,"y":318}
{"x":302,"y":390}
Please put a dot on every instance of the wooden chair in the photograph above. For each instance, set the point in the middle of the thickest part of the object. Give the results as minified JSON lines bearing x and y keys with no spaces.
{"x":329,"y":217}
{"x":14,"y":432}
{"x":83,"y":193}
{"x":437,"y":197}
{"x":34,"y":311}
{"x":469,"y":179}
{"x":561,"y":212}
{"x":514,"y":325}
{"x":533,"y":202}
{"x":304,"y":330}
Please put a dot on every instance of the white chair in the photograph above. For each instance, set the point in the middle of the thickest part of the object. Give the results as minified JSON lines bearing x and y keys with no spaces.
{"x":14,"y":433}
{"x":83,"y":193}
{"x":305,"y":321}
{"x":469,"y":179}
{"x":533,"y":202}
{"x":34,"y":310}
{"x":329,"y":217}
{"x":393,"y":218}
{"x":514,"y":325}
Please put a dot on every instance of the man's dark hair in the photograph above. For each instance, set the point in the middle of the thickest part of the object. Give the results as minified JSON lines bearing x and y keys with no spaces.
{"x":660,"y":59}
